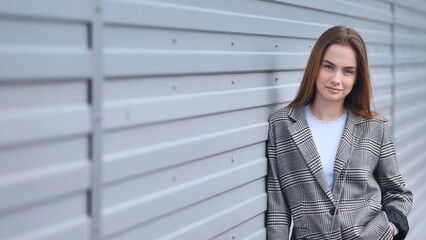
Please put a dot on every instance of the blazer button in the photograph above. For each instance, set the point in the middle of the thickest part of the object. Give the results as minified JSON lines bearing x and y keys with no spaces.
{"x":333,"y":210}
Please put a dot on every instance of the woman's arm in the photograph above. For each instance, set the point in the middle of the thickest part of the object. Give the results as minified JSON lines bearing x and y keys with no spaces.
{"x":278,"y":215}
{"x":397,"y":199}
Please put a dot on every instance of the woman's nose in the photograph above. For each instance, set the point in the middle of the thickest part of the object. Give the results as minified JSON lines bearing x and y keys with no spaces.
{"x":336,"y":78}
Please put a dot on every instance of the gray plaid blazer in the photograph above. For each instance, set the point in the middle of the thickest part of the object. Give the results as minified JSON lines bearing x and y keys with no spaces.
{"x":368,"y":190}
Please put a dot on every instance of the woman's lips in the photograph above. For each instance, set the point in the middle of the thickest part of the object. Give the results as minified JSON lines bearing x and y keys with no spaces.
{"x":334,"y":89}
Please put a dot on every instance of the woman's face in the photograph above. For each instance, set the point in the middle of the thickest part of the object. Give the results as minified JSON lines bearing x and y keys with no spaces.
{"x":337,"y":74}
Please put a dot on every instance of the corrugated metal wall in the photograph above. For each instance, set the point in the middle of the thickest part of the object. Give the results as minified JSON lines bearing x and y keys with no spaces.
{"x":45,"y":119}
{"x":131,"y":119}
{"x":410,"y":103}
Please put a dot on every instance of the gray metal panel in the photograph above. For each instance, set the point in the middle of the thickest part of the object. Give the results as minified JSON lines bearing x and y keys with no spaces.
{"x":410,"y":98}
{"x":207,"y":218}
{"x":45,"y":117}
{"x":45,"y":49}
{"x":61,"y":219}
{"x":76,"y":10}
{"x":210,"y":176}
{"x":142,"y":111}
{"x":252,"y":229}
{"x":149,"y":13}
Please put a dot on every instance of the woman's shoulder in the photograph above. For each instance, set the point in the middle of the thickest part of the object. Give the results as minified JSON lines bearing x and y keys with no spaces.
{"x":376,"y":124}
{"x":280,"y":115}
{"x":377,"y":119}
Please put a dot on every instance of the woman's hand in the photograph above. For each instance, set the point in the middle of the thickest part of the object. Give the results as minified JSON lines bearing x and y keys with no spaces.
{"x":393,"y":229}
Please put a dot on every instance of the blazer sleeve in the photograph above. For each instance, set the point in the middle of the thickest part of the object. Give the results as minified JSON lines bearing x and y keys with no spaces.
{"x":277,"y":215}
{"x":397,"y":199}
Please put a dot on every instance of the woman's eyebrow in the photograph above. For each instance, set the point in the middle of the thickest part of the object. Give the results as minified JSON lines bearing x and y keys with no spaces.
{"x":327,"y":61}
{"x":349,"y":67}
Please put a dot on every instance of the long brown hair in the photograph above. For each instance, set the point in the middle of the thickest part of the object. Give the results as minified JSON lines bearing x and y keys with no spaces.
{"x":358,"y":100}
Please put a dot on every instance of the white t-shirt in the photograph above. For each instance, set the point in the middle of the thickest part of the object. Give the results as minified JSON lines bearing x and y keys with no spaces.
{"x":327,"y":136}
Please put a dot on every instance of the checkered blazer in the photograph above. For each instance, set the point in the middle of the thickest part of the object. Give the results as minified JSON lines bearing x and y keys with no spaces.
{"x":368,"y":190}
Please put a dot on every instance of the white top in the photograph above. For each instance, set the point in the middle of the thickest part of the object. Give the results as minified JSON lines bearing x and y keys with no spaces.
{"x":327,"y":136}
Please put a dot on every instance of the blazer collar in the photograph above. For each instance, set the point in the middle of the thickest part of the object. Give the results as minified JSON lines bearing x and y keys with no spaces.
{"x":350,"y":137}
{"x":301,"y":134}
{"x":298,"y":114}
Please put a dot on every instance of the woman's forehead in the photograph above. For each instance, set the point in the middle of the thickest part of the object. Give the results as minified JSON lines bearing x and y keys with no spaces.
{"x":340,"y":55}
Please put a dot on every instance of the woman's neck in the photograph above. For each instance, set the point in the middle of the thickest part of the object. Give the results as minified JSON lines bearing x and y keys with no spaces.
{"x":327,"y":111}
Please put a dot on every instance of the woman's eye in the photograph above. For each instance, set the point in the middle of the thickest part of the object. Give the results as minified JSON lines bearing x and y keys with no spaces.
{"x":348,"y":72}
{"x":328,"y":67}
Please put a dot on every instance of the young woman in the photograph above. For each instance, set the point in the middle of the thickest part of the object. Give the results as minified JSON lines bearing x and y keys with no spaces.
{"x":332,"y":170}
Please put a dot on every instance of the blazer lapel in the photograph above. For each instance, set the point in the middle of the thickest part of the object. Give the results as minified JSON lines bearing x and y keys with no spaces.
{"x":350,"y":134}
{"x":304,"y":141}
